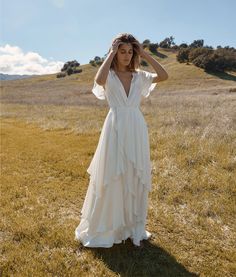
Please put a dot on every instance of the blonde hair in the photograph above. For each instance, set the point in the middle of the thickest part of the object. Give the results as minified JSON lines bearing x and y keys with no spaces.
{"x":135,"y":61}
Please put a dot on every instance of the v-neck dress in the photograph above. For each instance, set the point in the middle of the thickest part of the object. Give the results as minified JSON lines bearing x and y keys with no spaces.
{"x":116,"y":202}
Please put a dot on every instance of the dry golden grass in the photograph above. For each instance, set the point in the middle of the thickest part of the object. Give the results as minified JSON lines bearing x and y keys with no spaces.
{"x":49,"y":133}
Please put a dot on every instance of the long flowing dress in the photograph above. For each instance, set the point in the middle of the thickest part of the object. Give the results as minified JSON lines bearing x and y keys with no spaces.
{"x":116,"y":202}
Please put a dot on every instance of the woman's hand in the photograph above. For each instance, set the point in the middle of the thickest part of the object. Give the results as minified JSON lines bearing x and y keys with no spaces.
{"x":138,"y":48}
{"x":115,"y":46}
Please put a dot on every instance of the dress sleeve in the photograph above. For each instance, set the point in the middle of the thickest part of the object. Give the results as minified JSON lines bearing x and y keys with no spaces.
{"x":98,"y":90}
{"x":147,"y":85}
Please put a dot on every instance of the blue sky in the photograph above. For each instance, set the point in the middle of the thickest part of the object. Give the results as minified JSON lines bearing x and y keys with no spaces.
{"x":38,"y":36}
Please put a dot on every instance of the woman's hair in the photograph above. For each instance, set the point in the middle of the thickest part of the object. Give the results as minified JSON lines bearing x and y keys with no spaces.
{"x":135,"y":61}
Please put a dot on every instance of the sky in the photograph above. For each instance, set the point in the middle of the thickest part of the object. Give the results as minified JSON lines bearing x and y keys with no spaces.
{"x":39,"y":36}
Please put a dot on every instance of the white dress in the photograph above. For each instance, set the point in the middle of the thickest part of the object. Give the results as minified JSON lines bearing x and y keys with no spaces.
{"x":116,"y":202}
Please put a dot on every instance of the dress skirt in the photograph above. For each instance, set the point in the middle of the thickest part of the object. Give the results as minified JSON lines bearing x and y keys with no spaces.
{"x":116,"y":215}
{"x":116,"y":201}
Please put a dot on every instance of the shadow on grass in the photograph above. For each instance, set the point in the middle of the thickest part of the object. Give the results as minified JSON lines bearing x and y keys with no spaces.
{"x":159,"y":54}
{"x":127,"y":260}
{"x":223,"y":75}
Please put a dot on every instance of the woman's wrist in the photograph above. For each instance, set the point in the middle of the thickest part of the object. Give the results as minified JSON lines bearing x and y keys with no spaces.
{"x":112,"y":52}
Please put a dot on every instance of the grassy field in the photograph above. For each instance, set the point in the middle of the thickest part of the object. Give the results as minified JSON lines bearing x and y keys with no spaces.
{"x":49,"y":131}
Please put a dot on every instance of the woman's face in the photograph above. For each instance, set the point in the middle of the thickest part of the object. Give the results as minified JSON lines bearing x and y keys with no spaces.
{"x":125,"y":53}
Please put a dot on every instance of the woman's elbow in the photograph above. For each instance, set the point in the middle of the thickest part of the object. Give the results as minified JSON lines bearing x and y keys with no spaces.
{"x":165,"y":76}
{"x":99,"y":82}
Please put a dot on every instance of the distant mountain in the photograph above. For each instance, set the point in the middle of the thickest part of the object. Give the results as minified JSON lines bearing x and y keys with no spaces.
{"x":4,"y":77}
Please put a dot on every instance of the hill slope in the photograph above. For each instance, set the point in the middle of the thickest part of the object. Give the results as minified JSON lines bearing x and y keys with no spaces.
{"x":76,"y":88}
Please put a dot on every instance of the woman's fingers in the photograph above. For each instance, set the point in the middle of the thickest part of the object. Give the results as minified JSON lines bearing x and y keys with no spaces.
{"x":115,"y":45}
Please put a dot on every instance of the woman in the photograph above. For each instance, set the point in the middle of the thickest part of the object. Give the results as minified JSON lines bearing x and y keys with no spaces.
{"x":115,"y":206}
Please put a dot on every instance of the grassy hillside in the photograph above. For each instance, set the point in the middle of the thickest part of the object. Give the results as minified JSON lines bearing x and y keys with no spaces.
{"x":76,"y":88}
{"x":49,"y":132}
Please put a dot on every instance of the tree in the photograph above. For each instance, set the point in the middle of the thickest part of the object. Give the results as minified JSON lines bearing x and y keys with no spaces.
{"x":146,"y":41}
{"x":197,"y":43}
{"x":153,"y":47}
{"x":69,"y":68}
{"x":183,"y":45}
{"x":211,"y":60}
{"x":97,"y":58}
{"x":167,"y":42}
{"x":182,"y":55}
{"x":195,"y":52}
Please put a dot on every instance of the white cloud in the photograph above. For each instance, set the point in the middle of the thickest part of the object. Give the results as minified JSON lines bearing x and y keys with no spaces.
{"x":14,"y":61}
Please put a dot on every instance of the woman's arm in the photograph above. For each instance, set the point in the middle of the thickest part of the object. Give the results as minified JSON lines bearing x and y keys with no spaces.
{"x":161,"y":72}
{"x":103,"y":70}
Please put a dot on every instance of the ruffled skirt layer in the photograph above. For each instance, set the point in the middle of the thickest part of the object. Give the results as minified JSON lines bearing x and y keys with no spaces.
{"x":115,"y":205}
{"x":115,"y":216}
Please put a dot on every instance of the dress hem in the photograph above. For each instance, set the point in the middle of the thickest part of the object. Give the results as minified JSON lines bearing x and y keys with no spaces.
{"x":117,"y":236}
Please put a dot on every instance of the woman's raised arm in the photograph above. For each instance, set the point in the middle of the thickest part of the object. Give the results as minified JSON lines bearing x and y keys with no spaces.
{"x":103,"y":71}
{"x":161,"y":72}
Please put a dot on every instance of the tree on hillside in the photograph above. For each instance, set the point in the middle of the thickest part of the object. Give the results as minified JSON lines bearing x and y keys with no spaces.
{"x":210,"y":60}
{"x":146,"y":43}
{"x":69,"y":68}
{"x":167,"y":42}
{"x":195,"y":52}
{"x":183,"y":45}
{"x":153,"y":47}
{"x":183,"y":54}
{"x":208,"y":47}
{"x":197,"y":43}
{"x":97,"y":60}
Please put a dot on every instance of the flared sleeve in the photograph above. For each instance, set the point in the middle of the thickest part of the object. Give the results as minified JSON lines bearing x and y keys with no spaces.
{"x":147,"y":85}
{"x":98,"y":90}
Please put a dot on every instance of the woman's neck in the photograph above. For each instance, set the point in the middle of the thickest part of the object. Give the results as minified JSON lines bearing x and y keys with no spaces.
{"x":122,"y":69}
